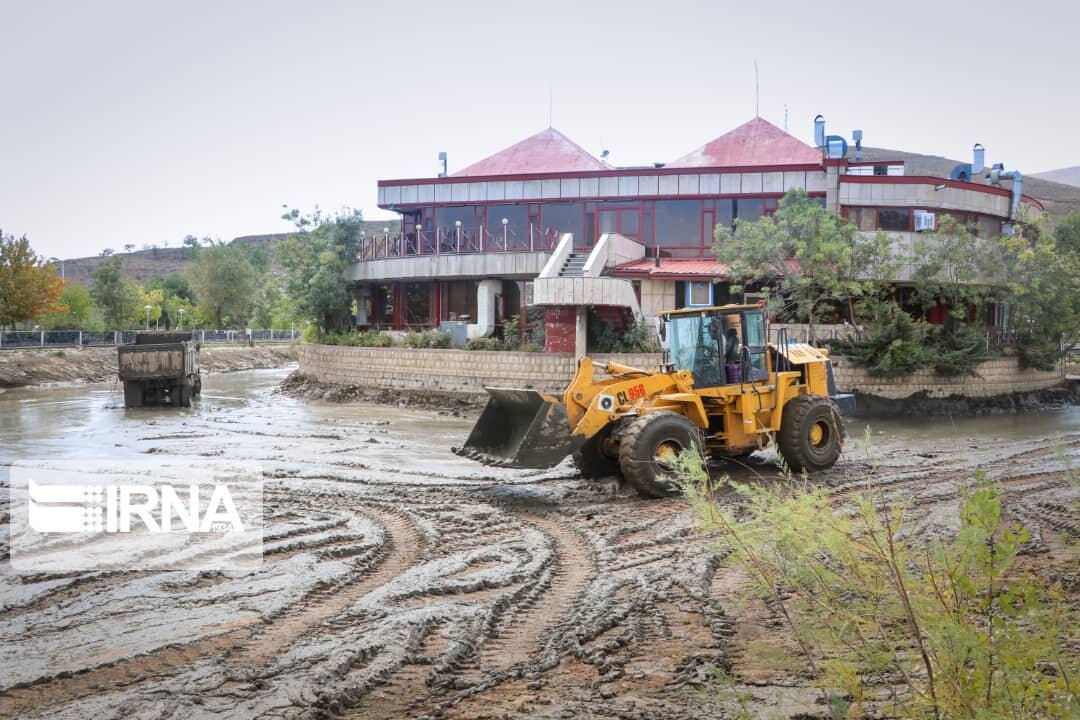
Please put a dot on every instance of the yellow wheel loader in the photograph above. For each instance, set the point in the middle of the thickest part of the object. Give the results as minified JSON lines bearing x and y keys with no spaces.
{"x":722,"y":390}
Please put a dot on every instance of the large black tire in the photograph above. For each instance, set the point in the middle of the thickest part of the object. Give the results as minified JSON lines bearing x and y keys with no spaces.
{"x":196,"y":390}
{"x":133,"y":393}
{"x":183,"y":395}
{"x":592,"y":461}
{"x":811,"y":433}
{"x":657,"y":433}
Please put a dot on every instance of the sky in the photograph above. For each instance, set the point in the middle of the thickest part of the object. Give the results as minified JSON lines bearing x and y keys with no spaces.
{"x":142,"y":122}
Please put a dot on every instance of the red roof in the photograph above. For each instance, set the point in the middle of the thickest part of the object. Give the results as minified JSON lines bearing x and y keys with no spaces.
{"x":548,"y":151}
{"x":757,"y":142}
{"x":671,"y":269}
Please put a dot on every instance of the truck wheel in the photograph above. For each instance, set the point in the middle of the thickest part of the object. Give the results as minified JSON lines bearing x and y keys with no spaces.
{"x":650,"y":441}
{"x":197,"y":390}
{"x":133,"y":394}
{"x":182,"y":393}
{"x":810,"y":434}
{"x":592,"y":461}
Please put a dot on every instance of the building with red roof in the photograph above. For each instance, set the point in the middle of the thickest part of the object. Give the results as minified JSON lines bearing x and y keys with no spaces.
{"x":546,"y":224}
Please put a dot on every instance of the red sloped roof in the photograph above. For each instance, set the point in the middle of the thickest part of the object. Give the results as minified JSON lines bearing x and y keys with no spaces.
{"x":671,"y":268}
{"x":547,"y":151}
{"x":757,"y":142}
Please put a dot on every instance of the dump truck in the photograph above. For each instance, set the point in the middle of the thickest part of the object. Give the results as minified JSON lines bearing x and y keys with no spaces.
{"x":722,"y":390}
{"x":160,"y":368}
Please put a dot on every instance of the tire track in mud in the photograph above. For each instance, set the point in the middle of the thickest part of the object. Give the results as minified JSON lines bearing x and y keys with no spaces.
{"x":402,"y":548}
{"x":515,"y":639}
{"x":238,"y":643}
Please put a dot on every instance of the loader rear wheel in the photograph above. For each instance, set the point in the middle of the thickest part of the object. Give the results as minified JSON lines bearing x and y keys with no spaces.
{"x":810,"y":433}
{"x":648,"y":445}
{"x":592,"y":461}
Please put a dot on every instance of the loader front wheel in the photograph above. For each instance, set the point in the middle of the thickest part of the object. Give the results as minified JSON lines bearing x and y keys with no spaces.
{"x":592,"y":461}
{"x":649,"y":445}
{"x":810,"y":434}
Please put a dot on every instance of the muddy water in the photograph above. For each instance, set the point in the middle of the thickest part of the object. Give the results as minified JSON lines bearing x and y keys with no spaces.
{"x":399,"y":580}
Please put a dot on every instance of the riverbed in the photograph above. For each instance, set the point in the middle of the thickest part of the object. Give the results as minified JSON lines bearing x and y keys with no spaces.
{"x":399,"y":580}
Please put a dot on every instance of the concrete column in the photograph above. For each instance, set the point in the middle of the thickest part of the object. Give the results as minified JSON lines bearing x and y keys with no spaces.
{"x":832,"y":189}
{"x":581,"y":337}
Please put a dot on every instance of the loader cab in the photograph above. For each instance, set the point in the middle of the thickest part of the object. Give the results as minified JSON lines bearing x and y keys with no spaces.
{"x":718,"y":345}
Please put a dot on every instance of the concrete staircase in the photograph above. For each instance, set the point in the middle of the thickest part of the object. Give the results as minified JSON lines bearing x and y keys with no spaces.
{"x":574,"y":265}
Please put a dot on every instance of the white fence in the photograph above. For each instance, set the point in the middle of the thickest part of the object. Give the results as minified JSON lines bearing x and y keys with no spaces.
{"x":21,"y":339}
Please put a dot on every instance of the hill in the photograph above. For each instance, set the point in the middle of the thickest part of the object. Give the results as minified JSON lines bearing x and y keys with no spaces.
{"x":1065,"y":176}
{"x":145,"y":264}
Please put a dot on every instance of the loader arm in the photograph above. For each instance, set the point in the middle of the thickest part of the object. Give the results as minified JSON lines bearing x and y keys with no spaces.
{"x":592,"y":405}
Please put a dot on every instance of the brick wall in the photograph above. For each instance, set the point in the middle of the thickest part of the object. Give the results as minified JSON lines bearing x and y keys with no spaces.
{"x":995,"y":377}
{"x":469,"y":371}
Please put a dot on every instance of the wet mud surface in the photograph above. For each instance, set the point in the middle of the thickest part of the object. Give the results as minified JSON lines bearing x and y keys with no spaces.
{"x":399,"y":580}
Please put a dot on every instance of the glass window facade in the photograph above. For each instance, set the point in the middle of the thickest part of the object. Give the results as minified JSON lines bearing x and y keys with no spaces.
{"x":517,"y":217}
{"x":564,"y":218}
{"x":894,"y":219}
{"x":677,"y":223}
{"x":749,"y":209}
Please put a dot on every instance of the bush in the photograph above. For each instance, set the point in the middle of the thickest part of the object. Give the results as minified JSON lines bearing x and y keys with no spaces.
{"x":369,"y":338}
{"x":428,"y":339}
{"x":895,"y":344}
{"x":311,"y":334}
{"x":484,"y":343}
{"x":949,"y":624}
{"x":635,"y":337}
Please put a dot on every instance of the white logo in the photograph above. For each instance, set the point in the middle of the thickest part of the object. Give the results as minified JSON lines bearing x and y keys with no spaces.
{"x":79,"y":508}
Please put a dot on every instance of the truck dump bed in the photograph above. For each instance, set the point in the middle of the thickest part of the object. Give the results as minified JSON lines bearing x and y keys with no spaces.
{"x":159,"y":367}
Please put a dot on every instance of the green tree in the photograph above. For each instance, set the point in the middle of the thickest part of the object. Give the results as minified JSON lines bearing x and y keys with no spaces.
{"x":29,"y":286}
{"x":80,"y":306}
{"x":316,"y":260}
{"x":116,"y":295}
{"x":955,"y":266}
{"x":812,"y":255}
{"x":225,"y":281}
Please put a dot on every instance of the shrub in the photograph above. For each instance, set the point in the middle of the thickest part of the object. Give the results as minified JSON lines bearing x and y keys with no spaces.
{"x":484,"y":343}
{"x":311,"y":334}
{"x":633,"y":338}
{"x":949,"y":623}
{"x":428,"y":339}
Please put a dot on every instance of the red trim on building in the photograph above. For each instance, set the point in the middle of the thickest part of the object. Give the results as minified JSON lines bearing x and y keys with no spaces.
{"x":619,"y":172}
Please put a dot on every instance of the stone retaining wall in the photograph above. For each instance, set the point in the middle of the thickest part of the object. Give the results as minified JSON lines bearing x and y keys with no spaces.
{"x":469,"y":371}
{"x":1002,"y":376}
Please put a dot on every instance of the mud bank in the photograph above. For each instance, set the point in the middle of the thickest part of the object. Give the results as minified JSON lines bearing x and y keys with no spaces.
{"x":303,"y":387}
{"x":401,"y":581}
{"x":19,"y":368}
{"x":922,"y":405}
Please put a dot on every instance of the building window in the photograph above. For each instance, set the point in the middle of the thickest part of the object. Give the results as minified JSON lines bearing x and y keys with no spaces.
{"x":894,"y":219}
{"x":461,"y":299}
{"x":725,"y":212}
{"x":563,"y":218}
{"x":677,"y":223}
{"x":417,"y":303}
{"x":864,"y":218}
{"x":445,"y":217}
{"x":988,"y":227}
{"x":517,"y":217}
{"x":750,"y":209}
{"x":699,"y":294}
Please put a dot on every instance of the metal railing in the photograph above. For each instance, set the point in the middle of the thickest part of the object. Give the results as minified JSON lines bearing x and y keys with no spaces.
{"x":459,"y":240}
{"x":25,"y":339}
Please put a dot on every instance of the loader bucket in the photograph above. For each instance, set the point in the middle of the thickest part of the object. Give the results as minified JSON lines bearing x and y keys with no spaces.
{"x":520,"y":429}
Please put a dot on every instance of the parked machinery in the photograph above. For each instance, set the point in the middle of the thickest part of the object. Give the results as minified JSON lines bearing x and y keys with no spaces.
{"x":723,"y":389}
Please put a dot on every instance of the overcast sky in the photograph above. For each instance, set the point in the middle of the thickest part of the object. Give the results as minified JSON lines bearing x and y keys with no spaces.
{"x":140,"y":122}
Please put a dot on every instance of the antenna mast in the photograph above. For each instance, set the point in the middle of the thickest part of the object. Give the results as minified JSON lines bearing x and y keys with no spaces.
{"x":757,"y":92}
{"x":550,"y":102}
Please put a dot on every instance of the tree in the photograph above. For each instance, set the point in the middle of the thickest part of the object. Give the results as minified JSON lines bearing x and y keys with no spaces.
{"x":116,"y":295}
{"x":812,"y":255}
{"x":225,"y":280}
{"x":29,"y":286}
{"x":316,"y":260}
{"x":76,"y":298}
{"x":128,"y":247}
{"x":955,"y":266}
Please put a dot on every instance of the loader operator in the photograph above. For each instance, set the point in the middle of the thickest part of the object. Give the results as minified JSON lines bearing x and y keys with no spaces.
{"x":732,"y":367}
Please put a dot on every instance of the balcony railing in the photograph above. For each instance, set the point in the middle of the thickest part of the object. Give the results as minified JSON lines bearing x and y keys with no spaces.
{"x":459,"y":240}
